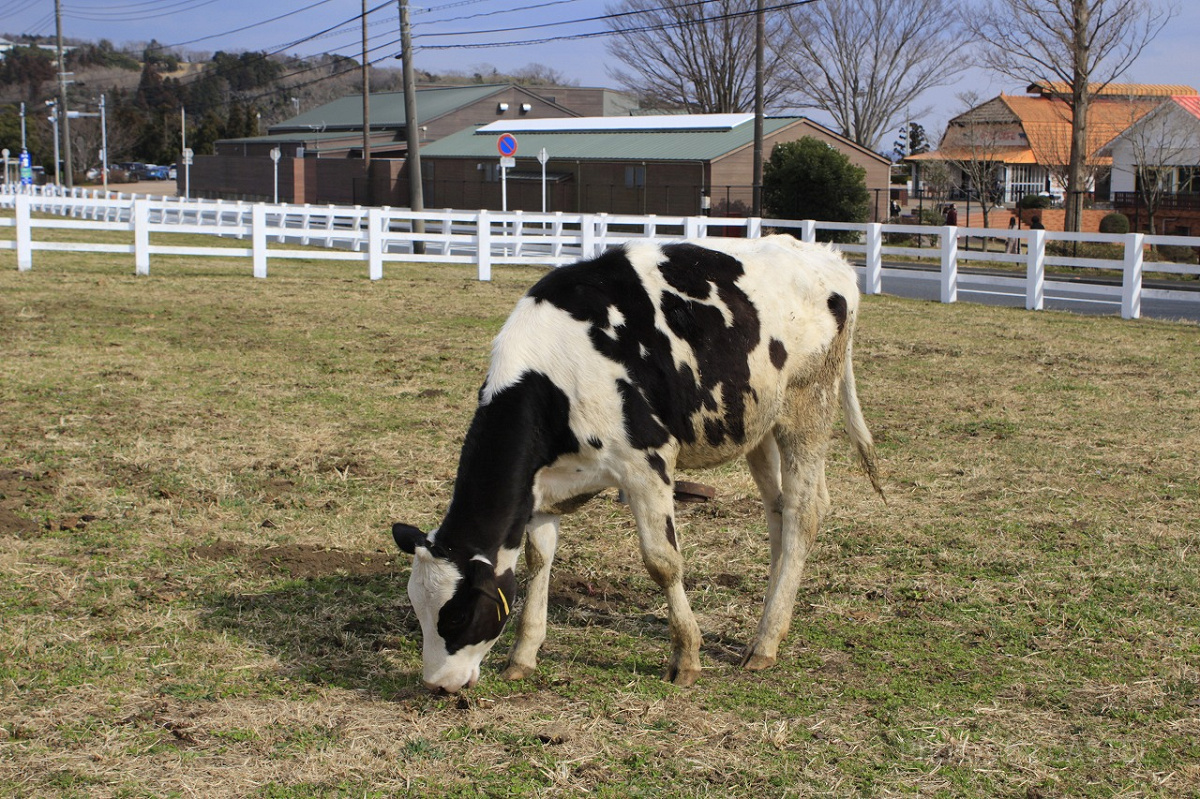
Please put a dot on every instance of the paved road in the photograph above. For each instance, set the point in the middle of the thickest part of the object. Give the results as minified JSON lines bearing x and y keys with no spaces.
{"x":1180,"y":301}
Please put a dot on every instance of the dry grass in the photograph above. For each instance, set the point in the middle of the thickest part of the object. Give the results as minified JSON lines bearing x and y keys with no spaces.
{"x":198,"y":595}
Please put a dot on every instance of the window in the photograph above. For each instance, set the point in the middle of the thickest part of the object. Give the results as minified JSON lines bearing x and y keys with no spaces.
{"x":1189,"y":179}
{"x":635,"y":177}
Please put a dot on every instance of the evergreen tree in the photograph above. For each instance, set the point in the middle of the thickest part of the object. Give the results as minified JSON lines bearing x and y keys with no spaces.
{"x":808,"y":179}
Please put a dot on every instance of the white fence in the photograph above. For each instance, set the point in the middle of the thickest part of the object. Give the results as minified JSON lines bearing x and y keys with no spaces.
{"x":489,"y":238}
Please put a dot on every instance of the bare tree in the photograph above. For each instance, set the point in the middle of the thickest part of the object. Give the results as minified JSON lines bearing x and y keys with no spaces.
{"x":1084,"y":44}
{"x":693,"y":55}
{"x":866,"y":62}
{"x":973,"y":143}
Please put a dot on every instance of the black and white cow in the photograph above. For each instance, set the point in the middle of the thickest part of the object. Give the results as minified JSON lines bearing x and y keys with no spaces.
{"x":617,"y":372}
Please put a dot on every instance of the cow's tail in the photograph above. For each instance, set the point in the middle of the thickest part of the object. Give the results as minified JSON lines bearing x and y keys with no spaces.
{"x":856,"y":426}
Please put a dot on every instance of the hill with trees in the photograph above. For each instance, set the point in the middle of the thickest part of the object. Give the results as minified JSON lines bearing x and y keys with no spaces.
{"x":146,"y":88}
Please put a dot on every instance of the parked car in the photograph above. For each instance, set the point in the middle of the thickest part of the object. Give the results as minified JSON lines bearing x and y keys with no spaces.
{"x":172,"y":173}
{"x":130,"y":169}
{"x":154,"y":172}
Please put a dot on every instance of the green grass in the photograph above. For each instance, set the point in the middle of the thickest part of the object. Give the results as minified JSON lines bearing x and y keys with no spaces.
{"x":198,"y":594}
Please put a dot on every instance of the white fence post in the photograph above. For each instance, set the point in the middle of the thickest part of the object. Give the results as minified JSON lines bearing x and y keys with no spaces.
{"x":587,"y":236}
{"x":754,"y":227}
{"x":1035,"y":271}
{"x":141,"y":236}
{"x":483,"y":245}
{"x":873,"y":278}
{"x":1131,"y":286}
{"x":375,"y":243}
{"x":808,"y":230}
{"x":24,"y":233}
{"x":949,"y":264}
{"x":258,"y":238}
{"x":693,"y":227}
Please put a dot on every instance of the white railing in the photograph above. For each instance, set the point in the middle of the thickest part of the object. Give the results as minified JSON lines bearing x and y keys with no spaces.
{"x":490,"y":238}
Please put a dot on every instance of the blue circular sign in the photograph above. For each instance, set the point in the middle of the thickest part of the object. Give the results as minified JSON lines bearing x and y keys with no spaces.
{"x":507,"y":144}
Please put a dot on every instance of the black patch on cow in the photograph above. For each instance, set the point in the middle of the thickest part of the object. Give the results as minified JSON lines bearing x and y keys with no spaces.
{"x":641,"y":427}
{"x":659,"y":466}
{"x":526,"y":426}
{"x":778,"y":353}
{"x":661,"y":399}
{"x":595,"y":443}
{"x":671,"y":533}
{"x":837,"y":307}
{"x":476,"y":612}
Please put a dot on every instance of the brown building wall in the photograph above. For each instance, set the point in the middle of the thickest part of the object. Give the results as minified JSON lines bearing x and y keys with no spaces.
{"x":237,"y":178}
{"x":732,"y":175}
{"x":1052,"y":218}
{"x":591,"y":186}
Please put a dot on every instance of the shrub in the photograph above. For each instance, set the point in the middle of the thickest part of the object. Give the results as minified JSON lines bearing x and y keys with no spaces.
{"x":1034,"y":201}
{"x":1115,"y":222}
{"x":1177,"y":253}
{"x":808,"y":179}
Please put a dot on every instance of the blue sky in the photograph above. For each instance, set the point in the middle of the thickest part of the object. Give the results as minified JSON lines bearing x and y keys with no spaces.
{"x":209,"y":25}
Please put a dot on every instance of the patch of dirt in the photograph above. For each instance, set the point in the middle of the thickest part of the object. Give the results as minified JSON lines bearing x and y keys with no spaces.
{"x":22,"y":491}
{"x":305,"y":561}
{"x":594,"y":593}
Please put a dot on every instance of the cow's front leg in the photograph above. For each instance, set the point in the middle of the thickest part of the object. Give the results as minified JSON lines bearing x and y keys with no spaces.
{"x":654,"y":510}
{"x":803,"y":503}
{"x":541,"y":540}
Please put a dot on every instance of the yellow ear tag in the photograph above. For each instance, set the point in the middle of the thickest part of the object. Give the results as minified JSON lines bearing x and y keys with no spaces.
{"x":503,"y":599}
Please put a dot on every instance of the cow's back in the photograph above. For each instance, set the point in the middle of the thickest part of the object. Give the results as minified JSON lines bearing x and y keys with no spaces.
{"x":696,"y":342}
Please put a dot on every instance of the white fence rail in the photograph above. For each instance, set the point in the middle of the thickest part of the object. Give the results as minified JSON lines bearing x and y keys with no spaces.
{"x":490,"y":238}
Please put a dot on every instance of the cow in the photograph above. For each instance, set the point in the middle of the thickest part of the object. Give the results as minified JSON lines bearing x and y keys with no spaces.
{"x":619,"y":371}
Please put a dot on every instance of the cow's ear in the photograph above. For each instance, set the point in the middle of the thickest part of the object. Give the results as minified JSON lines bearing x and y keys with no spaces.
{"x":408,"y":538}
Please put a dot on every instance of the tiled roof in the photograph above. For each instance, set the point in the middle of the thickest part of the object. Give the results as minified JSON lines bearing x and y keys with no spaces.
{"x":1189,"y":103}
{"x":1047,"y":124}
{"x":1061,"y":89}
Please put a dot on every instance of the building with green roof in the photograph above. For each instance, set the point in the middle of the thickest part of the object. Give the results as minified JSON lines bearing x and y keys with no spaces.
{"x":242,"y":167}
{"x":667,"y":164}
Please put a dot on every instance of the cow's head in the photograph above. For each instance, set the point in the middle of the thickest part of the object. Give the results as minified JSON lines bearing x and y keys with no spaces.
{"x":462,"y":605}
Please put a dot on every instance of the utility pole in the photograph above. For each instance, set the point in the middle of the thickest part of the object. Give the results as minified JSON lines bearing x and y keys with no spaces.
{"x":104,"y":145}
{"x":412,"y":130}
{"x":759,"y":37}
{"x":366,"y":86}
{"x":64,"y":124}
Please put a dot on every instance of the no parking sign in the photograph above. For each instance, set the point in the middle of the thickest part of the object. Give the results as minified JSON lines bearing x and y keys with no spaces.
{"x":507,"y":145}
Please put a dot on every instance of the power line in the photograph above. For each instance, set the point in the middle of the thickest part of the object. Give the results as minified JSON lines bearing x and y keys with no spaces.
{"x":598,"y":34}
{"x":127,"y":16}
{"x":248,"y":27}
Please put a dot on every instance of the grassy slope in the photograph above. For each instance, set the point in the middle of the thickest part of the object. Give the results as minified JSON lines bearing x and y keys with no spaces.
{"x":197,"y":593}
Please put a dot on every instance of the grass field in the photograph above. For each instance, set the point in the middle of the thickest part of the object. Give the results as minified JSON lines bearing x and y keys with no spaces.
{"x":199,"y":595}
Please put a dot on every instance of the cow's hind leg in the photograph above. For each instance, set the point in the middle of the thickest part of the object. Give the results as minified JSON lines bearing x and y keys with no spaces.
{"x":653,"y":508}
{"x":541,"y":540}
{"x":802,"y":501}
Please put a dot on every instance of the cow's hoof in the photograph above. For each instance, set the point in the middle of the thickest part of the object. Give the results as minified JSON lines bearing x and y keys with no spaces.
{"x":684,"y":678}
{"x":516,"y":671}
{"x":756,"y":662}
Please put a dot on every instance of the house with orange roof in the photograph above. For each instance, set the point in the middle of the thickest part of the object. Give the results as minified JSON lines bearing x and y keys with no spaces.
{"x":1156,"y":168}
{"x":1020,"y":145}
